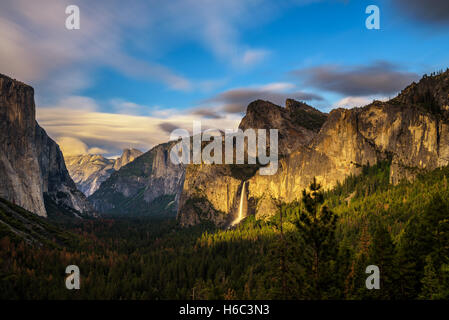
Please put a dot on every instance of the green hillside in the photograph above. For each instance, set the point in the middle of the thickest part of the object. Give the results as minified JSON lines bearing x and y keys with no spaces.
{"x":19,"y":225}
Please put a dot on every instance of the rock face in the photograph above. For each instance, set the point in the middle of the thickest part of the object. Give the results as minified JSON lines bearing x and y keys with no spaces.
{"x":90,"y":170}
{"x":127,"y":156}
{"x":31,"y":163}
{"x":411,"y":131}
{"x":297,"y":123}
{"x":212,"y":192}
{"x":151,"y":184}
{"x":21,"y":182}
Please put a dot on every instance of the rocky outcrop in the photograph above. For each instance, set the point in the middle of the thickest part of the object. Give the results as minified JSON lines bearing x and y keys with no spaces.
{"x":411,"y":131}
{"x":90,"y":170}
{"x":127,"y":156}
{"x":211,"y":192}
{"x":31,"y":163}
{"x":57,"y":184}
{"x":151,"y":184}
{"x":412,"y":138}
{"x":297,"y":123}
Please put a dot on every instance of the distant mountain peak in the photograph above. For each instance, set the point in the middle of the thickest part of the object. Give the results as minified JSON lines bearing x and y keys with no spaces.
{"x":127,"y":156}
{"x":131,"y":150}
{"x":297,"y":123}
{"x":90,"y":170}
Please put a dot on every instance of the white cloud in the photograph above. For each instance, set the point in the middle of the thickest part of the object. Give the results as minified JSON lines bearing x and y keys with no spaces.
{"x":251,"y":57}
{"x":127,"y":107}
{"x":277,"y":86}
{"x":71,"y":146}
{"x":96,"y":150}
{"x":78,"y":125}
{"x":359,"y":101}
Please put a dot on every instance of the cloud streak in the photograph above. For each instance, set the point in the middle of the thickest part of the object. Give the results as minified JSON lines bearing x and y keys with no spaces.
{"x":83,"y":128}
{"x":236,"y":100}
{"x":36,"y":46}
{"x":433,"y":12}
{"x":379,"y":78}
{"x":38,"y":49}
{"x":79,"y":125}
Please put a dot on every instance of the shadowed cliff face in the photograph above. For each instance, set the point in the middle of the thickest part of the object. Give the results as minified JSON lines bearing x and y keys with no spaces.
{"x":20,"y":179}
{"x":31,"y":163}
{"x":151,"y":184}
{"x":410,"y":130}
{"x":297,"y":123}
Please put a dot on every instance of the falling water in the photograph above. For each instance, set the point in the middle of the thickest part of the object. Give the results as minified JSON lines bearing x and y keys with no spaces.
{"x":242,"y":199}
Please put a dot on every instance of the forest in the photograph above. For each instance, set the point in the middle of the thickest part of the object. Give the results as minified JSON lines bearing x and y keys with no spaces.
{"x":317,"y":248}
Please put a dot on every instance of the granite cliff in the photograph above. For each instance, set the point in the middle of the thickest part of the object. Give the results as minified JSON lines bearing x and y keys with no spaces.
{"x":410,"y":131}
{"x":128,"y":155}
{"x":212,"y":192}
{"x":31,"y":164}
{"x":297,"y":123}
{"x":151,"y":184}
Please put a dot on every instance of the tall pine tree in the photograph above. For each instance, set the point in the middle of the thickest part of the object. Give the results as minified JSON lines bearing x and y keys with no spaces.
{"x":317,"y":225}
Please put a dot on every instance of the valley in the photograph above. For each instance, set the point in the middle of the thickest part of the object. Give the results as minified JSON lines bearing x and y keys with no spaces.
{"x":355,"y":187}
{"x":148,"y":258}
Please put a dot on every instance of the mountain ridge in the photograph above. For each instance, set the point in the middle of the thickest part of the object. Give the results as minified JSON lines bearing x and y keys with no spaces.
{"x":149,"y":184}
{"x":410,"y":130}
{"x":90,"y":170}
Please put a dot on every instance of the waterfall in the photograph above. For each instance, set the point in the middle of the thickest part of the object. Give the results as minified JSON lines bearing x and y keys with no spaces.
{"x":241,"y":214}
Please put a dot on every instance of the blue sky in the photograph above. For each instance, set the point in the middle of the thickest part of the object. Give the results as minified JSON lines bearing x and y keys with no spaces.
{"x":133,"y":71}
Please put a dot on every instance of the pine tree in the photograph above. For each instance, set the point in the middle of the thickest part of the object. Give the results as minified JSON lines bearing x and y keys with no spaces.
{"x":382,"y":254}
{"x":431,"y":282}
{"x":407,"y":282}
{"x":285,"y":258}
{"x":317,"y":225}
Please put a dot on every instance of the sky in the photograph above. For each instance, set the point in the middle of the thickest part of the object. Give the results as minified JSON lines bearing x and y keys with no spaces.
{"x":136,"y":70}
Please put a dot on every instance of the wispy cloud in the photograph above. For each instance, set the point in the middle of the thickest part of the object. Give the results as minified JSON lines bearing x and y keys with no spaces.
{"x":434,"y":12}
{"x":77,"y":123}
{"x":37,"y":48}
{"x":72,"y":146}
{"x":206,"y":113}
{"x":251,"y":57}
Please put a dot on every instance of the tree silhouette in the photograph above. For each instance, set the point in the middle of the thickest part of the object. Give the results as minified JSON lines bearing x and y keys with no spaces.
{"x":317,"y":225}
